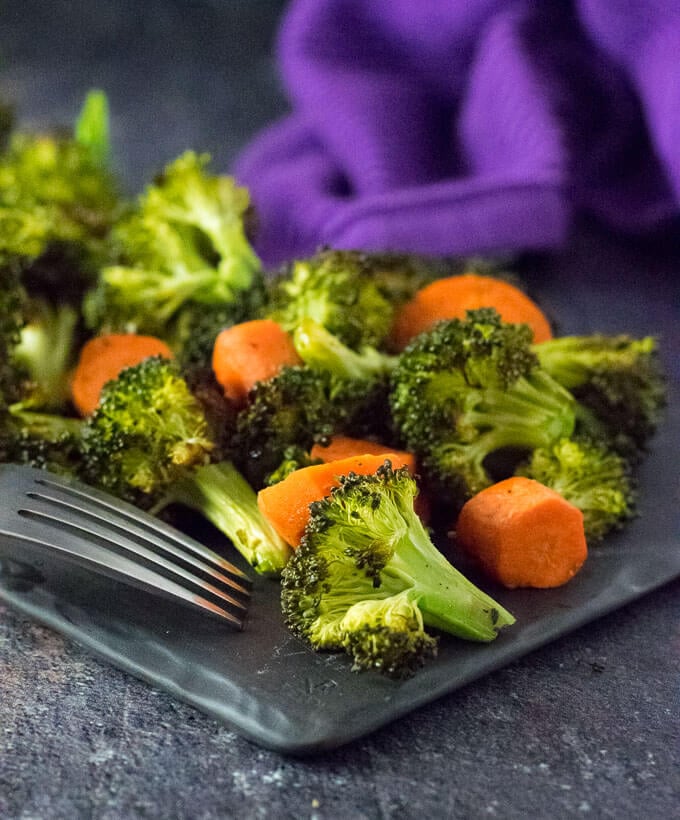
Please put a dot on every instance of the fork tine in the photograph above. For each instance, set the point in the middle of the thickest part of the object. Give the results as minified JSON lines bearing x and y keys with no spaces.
{"x":130,"y":517}
{"x":140,"y":540}
{"x":22,"y":549}
{"x":54,"y":518}
{"x":106,"y":539}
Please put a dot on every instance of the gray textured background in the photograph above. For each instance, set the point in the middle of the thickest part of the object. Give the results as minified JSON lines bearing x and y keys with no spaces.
{"x":588,"y":726}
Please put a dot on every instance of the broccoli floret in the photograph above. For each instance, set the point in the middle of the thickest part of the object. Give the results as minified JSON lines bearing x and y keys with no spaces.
{"x":149,"y":442}
{"x":37,"y":345}
{"x":367,"y":579}
{"x":591,"y":477}
{"x":296,"y":408}
{"x":400,"y":276}
{"x":32,"y":380}
{"x":469,"y":388}
{"x":58,"y":200}
{"x":185,"y":244}
{"x":147,"y":429}
{"x":46,"y":352}
{"x":45,"y":440}
{"x":618,"y":379}
{"x":387,"y":635}
{"x":336,"y":289}
{"x":12,"y":320}
{"x":318,"y":348}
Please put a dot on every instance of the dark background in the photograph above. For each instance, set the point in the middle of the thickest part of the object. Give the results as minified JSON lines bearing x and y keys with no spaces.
{"x":179,"y":74}
{"x":588,"y":726}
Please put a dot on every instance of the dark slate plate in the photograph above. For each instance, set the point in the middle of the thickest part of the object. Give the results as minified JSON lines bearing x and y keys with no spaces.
{"x":269,"y":687}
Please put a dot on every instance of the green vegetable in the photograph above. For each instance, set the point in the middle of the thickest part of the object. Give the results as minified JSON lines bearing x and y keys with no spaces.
{"x":183,"y":247}
{"x":591,"y":477}
{"x":35,"y":352}
{"x":147,"y":430}
{"x":367,"y":579}
{"x":320,"y":349}
{"x":336,"y":290}
{"x":57,"y":202}
{"x":46,"y":351}
{"x":469,"y":388}
{"x":150,"y":442}
{"x":617,"y":379}
{"x":295,"y":409}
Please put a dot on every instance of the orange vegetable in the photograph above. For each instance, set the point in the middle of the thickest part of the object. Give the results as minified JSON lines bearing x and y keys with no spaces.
{"x":101,"y":360}
{"x":451,"y":297}
{"x":248,"y":353}
{"x":345,"y":447}
{"x":286,"y":504}
{"x":340,"y":447}
{"x":523,"y":534}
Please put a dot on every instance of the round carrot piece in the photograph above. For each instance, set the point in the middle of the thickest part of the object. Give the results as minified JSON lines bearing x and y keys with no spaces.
{"x":103,"y":357}
{"x":453,"y":296}
{"x":249,"y":352}
{"x":523,"y":534}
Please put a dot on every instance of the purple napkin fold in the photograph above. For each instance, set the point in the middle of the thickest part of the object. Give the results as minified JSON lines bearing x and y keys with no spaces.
{"x":459,"y":128}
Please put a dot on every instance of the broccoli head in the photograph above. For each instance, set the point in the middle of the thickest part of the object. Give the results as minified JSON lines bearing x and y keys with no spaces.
{"x":469,"y":388}
{"x":12,"y":320}
{"x":147,"y":429}
{"x":37,"y":346}
{"x":617,"y":378}
{"x":591,"y":477}
{"x":48,"y":441}
{"x":27,"y":436}
{"x":150,"y":442}
{"x":367,"y":579}
{"x":58,"y":200}
{"x":184,"y":244}
{"x":296,"y":408}
{"x":336,"y":289}
{"x":387,"y":634}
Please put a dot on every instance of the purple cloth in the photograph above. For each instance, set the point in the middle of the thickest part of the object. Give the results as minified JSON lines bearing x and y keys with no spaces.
{"x":468,"y":127}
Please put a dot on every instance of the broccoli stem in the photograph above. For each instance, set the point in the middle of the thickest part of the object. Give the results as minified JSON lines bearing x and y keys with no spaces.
{"x":446,"y":598}
{"x":48,"y":426}
{"x":319,"y":348}
{"x":534,"y":411}
{"x":221,"y":494}
{"x":45,"y":349}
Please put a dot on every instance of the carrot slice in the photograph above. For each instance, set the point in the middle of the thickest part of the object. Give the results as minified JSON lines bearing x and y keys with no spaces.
{"x":103,"y":357}
{"x":248,"y":353}
{"x":340,"y":447}
{"x":523,"y":534}
{"x":286,"y":504}
{"x":453,"y":296}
